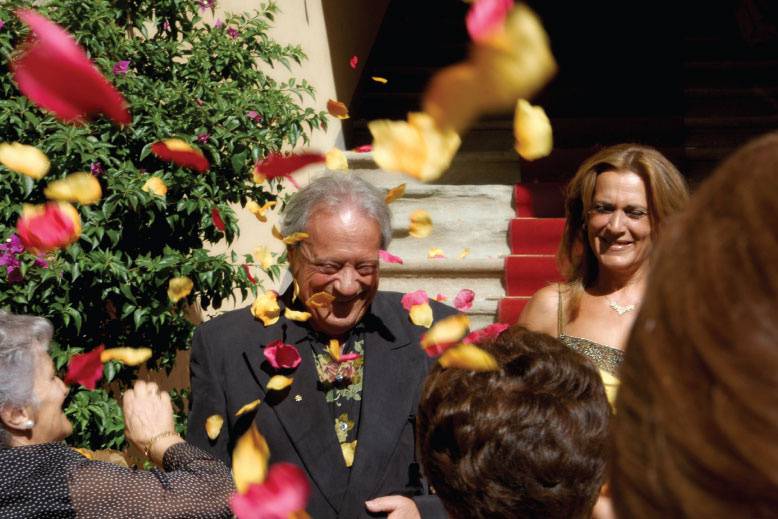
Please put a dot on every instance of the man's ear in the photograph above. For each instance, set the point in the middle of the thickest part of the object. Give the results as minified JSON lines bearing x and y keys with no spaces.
{"x":17,"y":418}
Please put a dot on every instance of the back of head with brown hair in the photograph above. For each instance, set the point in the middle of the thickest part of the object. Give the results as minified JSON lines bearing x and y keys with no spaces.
{"x":528,"y":440}
{"x":696,"y":432}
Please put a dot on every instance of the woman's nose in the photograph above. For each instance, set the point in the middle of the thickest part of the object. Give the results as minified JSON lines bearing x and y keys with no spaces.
{"x":616,"y":221}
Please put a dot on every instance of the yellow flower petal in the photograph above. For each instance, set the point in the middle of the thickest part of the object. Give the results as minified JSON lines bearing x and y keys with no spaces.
{"x":421,"y":315}
{"x":278,"y":382}
{"x":88,"y":454}
{"x":435,"y":253}
{"x":320,"y":300}
{"x":24,"y":159}
{"x":295,"y":291}
{"x":155,"y":185}
{"x":260,"y":210}
{"x":248,"y":407}
{"x":452,"y":98}
{"x":263,"y":256}
{"x":294,"y":315}
{"x":394,"y":193}
{"x":379,"y":79}
{"x":418,"y":147}
{"x":178,"y":145}
{"x":465,"y":252}
{"x":349,"y":451}
{"x":532,"y":130}
{"x":213,"y":426}
{"x":249,"y":459}
{"x":470,"y":357}
{"x":295,"y":237}
{"x":448,"y":330}
{"x":277,"y":234}
{"x":265,"y":308}
{"x":81,"y":187}
{"x":336,"y":160}
{"x":127,"y":356}
{"x":421,"y":224}
{"x":178,"y":288}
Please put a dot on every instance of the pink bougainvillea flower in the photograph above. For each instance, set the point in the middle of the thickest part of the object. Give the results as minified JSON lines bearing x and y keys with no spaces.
{"x":216,"y":218}
{"x":166,"y":25}
{"x":47,"y":227}
{"x":218,"y":24}
{"x":284,"y":493}
{"x":353,"y":62}
{"x":279,"y":165}
{"x":247,"y":270}
{"x":282,"y":356}
{"x":485,"y":17}
{"x":389,"y":258}
{"x":54,"y":72}
{"x":365,"y":148}
{"x":435,"y":253}
{"x":121,"y":67}
{"x":2,"y":24}
{"x":181,"y":153}
{"x":206,"y":4}
{"x":232,"y":32}
{"x":337,"y":109}
{"x":249,"y":459}
{"x":85,"y":368}
{"x":418,"y":297}
{"x":202,"y":138}
{"x":96,"y":169}
{"x":464,"y":299}
{"x":487,"y":333}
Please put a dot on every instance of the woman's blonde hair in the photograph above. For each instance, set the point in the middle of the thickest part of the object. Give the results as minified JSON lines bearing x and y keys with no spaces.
{"x":666,"y":191}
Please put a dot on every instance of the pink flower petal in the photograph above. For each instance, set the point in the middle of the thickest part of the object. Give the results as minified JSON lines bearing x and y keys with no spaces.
{"x":487,"y":333}
{"x":345,"y":357}
{"x":285,"y":491}
{"x":54,"y":72}
{"x":282,"y":356}
{"x":464,"y":299}
{"x":485,"y":16}
{"x":353,"y":62}
{"x":389,"y":258}
{"x":365,"y":148}
{"x":85,"y":368}
{"x":419,"y":297}
{"x":440,"y":298}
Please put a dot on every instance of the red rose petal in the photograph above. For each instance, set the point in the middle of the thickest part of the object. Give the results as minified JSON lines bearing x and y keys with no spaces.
{"x":365,"y":148}
{"x":487,"y":333}
{"x":464,"y":299}
{"x":353,"y":62}
{"x":186,"y":159}
{"x":282,"y":356}
{"x":419,"y":297}
{"x":53,"y":229}
{"x":485,"y":16}
{"x":279,"y":165}
{"x":85,"y":368}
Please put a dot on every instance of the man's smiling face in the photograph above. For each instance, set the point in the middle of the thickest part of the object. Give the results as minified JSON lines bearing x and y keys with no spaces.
{"x":340,"y":257}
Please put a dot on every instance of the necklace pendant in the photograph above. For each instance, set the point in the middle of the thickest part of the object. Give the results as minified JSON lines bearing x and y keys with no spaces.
{"x":621,"y":310}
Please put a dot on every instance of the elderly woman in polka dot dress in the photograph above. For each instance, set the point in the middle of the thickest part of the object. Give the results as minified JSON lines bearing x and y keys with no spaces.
{"x":41,"y":477}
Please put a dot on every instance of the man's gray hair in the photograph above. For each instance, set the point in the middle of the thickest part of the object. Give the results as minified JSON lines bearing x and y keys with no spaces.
{"x":331,"y":191}
{"x":22,"y":337}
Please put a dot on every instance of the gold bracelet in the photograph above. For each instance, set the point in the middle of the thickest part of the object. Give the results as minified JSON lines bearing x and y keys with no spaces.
{"x":147,"y":449}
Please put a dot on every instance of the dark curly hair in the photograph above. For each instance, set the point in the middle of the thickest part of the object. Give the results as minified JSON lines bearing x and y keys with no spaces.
{"x":528,"y":440}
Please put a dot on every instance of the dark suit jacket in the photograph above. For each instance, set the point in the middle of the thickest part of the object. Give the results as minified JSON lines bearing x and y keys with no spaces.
{"x":228,"y":370}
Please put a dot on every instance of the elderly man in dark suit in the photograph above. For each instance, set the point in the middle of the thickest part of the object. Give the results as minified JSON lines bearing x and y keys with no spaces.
{"x":348,"y":418}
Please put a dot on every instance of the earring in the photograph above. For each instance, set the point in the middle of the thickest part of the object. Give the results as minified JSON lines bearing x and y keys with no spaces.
{"x":29,"y":424}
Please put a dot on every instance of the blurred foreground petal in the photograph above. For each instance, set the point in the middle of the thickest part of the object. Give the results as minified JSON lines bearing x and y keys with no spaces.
{"x":263,"y":256}
{"x":155,"y":185}
{"x":284,"y":495}
{"x":486,"y":333}
{"x":279,"y":165}
{"x":24,"y":159}
{"x":82,"y":188}
{"x":43,"y":228}
{"x":468,"y":356}
{"x":417,"y":297}
{"x":127,"y":356}
{"x":445,"y":333}
{"x":336,"y":160}
{"x":394,"y":193}
{"x":85,"y":368}
{"x":532,"y":130}
{"x":178,"y":288}
{"x":181,"y":153}
{"x":249,"y":459}
{"x":485,"y":17}
{"x":421,"y":224}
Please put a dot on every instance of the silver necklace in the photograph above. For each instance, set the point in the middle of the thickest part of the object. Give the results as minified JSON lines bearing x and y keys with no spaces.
{"x":620,"y":309}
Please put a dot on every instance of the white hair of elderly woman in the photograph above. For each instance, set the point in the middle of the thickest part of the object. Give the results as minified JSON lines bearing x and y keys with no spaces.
{"x":22,"y":337}
{"x":334,"y":190}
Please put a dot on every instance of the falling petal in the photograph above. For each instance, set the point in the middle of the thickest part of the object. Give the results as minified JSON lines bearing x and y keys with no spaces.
{"x":181,"y":153}
{"x":295,"y":290}
{"x":418,"y":147}
{"x":216,"y":218}
{"x":263,"y":256}
{"x":445,"y":332}
{"x":464,"y":300}
{"x":465,"y":252}
{"x":468,"y":356}
{"x":283,"y":496}
{"x":532,"y":130}
{"x":349,"y":450}
{"x":421,"y":224}
{"x":487,"y":333}
{"x":278,"y":383}
{"x":43,"y":228}
{"x":421,"y":315}
{"x":336,"y":160}
{"x":249,"y":459}
{"x":295,"y":237}
{"x":82,"y":188}
{"x":178,"y":288}
{"x":353,"y":62}
{"x":417,"y":297}
{"x":320,"y":300}
{"x":54,"y":72}
{"x":155,"y":185}
{"x":379,"y":79}
{"x":450,"y":99}
{"x":265,"y":308}
{"x":279,"y":165}
{"x":334,"y":349}
{"x":213,"y":426}
{"x":440,"y":298}
{"x":248,"y":407}
{"x":260,"y":210}
{"x":277,"y":234}
{"x":389,"y":258}
{"x":365,"y":148}
{"x":85,"y":368}
{"x":435,"y":253}
{"x":282,"y":356}
{"x":337,"y":109}
{"x":294,"y":315}
{"x":485,"y":17}
{"x":394,"y":193}
{"x":127,"y":356}
{"x":24,"y":159}
{"x":121,"y":67}
{"x":247,"y":270}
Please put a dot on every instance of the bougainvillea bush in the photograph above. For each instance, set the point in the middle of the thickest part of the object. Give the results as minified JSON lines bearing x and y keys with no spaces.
{"x":183,"y":77}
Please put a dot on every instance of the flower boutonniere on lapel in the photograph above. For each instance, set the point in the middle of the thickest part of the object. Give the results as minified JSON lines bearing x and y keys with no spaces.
{"x":281,"y":357}
{"x":337,"y":369}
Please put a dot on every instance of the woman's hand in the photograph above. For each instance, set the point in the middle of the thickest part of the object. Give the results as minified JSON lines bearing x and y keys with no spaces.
{"x":148,"y":415}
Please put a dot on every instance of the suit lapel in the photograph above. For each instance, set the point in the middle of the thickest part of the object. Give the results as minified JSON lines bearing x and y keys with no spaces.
{"x":304,"y":414}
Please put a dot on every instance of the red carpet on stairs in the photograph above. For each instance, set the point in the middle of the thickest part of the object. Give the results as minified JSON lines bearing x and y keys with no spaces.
{"x":534,"y":238}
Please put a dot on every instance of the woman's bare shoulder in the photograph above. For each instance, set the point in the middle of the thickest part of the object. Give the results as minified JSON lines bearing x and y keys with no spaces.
{"x":540,"y":313}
